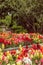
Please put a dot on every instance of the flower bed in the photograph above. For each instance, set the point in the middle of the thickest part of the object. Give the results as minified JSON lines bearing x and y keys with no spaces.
{"x":13,"y":39}
{"x":22,"y":56}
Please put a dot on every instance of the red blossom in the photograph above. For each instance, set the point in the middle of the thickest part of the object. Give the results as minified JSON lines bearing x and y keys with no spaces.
{"x":1,"y":40}
{"x":34,"y":46}
{"x":13,"y":52}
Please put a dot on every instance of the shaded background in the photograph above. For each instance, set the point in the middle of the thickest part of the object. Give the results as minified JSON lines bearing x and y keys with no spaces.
{"x":21,"y":16}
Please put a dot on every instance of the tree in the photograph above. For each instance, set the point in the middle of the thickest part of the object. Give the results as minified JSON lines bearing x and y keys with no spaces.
{"x":27,"y":13}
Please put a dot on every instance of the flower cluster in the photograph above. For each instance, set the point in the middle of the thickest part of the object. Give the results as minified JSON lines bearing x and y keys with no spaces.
{"x":13,"y":39}
{"x":22,"y":56}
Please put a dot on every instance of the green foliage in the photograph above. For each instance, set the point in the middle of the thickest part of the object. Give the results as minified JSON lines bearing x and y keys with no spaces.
{"x":6,"y":21}
{"x":24,"y":14}
{"x":18,"y":28}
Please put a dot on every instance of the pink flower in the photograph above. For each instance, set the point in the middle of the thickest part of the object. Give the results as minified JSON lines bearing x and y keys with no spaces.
{"x":3,"y":57}
{"x":27,"y":64}
{"x":36,"y":61}
{"x":39,"y":64}
{"x":41,"y":60}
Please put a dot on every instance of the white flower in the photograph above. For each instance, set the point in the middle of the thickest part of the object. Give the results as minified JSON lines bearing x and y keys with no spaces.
{"x":17,"y":51}
{"x":26,"y":60}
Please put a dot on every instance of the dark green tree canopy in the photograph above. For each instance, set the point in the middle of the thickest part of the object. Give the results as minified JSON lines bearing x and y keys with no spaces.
{"x":22,"y":15}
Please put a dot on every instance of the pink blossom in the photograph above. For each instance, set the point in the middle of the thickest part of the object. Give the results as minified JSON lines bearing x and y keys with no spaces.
{"x":41,"y":60}
{"x":36,"y":61}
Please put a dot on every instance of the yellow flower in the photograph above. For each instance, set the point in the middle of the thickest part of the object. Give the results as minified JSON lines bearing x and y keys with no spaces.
{"x":8,"y":52}
{"x":19,"y":63}
{"x":42,"y":56}
{"x":20,"y":47}
{"x":8,"y":64}
{"x":36,"y":51}
{"x":3,"y":46}
{"x":37,"y":54}
{"x":13,"y":64}
{"x":0,"y":50}
{"x":16,"y":56}
{"x":31,"y":56}
{"x":9,"y":57}
{"x":1,"y":53}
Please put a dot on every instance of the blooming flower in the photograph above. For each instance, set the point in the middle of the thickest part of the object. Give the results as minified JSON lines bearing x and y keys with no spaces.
{"x":26,"y":60}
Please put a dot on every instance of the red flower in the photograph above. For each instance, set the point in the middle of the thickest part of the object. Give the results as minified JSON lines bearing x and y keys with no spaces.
{"x":6,"y":42}
{"x":5,"y":53}
{"x":38,"y":46}
{"x":1,"y":40}
{"x":13,"y":52}
{"x":34,"y":46}
{"x":20,"y":57}
{"x":40,"y":37}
